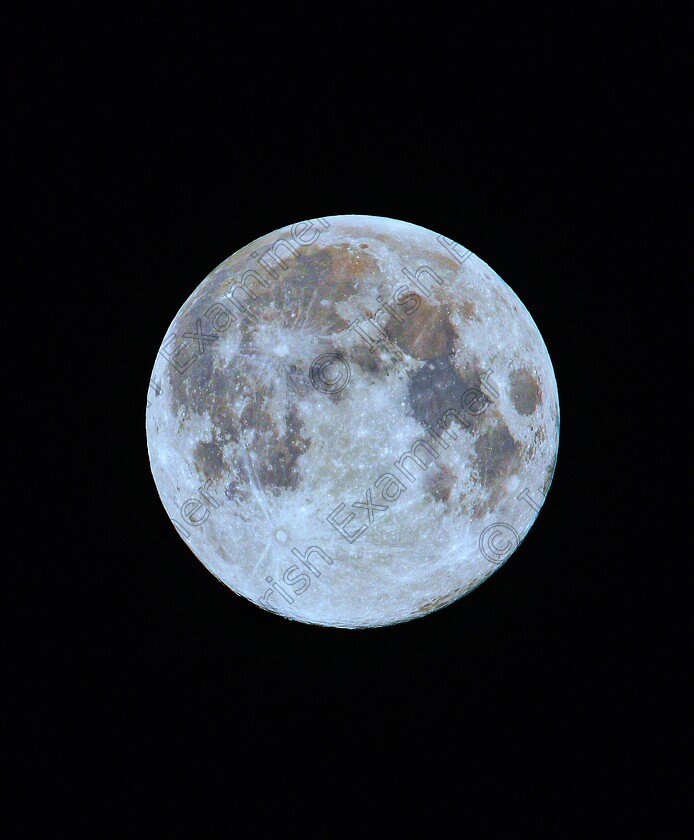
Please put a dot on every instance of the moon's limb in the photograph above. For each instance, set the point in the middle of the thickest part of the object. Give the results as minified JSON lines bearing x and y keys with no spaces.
{"x":353,"y":421}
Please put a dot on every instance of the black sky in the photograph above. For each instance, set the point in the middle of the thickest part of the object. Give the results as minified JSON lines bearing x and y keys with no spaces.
{"x":546,"y":149}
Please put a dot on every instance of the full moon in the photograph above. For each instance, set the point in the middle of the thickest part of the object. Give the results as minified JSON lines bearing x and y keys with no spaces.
{"x":352,"y":421}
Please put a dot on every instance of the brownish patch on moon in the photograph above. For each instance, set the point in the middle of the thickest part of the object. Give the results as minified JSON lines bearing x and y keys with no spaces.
{"x":189,"y":389}
{"x":370,"y":362}
{"x":442,"y":601}
{"x":469,"y":311}
{"x":446,"y":600}
{"x":437,"y":386}
{"x":538,"y":439}
{"x":440,"y":483}
{"x":525,"y":391}
{"x":275,"y":454}
{"x":209,"y":460}
{"x":439,"y":260}
{"x":497,"y":455}
{"x":255,"y":415}
{"x":229,"y":385}
{"x":296,"y":380}
{"x":336,"y":267}
{"x":276,"y":443}
{"x":425,"y":334}
{"x":298,"y":294}
{"x":348,"y":263}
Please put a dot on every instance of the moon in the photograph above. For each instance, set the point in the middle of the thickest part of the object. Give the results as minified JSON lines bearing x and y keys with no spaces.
{"x":352,"y":421}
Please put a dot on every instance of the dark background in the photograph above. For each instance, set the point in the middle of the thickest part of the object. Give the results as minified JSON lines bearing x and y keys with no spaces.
{"x":548,"y":150}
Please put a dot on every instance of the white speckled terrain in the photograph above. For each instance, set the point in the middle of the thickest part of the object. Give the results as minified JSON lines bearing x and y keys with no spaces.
{"x":254,"y":451}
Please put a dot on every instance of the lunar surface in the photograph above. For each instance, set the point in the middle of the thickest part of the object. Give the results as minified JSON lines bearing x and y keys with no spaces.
{"x":352,"y":421}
